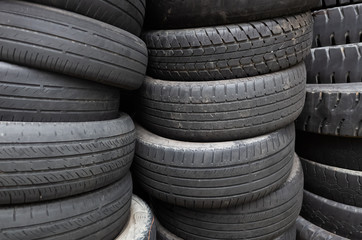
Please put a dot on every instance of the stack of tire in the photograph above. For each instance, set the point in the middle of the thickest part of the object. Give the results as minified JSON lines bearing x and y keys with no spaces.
{"x":215,"y":144}
{"x":65,"y":150}
{"x":329,"y":128}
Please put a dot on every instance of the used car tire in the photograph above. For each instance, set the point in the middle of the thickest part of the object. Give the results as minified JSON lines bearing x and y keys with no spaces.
{"x":68,"y":43}
{"x":43,"y":161}
{"x":213,"y":175}
{"x":229,"y":51}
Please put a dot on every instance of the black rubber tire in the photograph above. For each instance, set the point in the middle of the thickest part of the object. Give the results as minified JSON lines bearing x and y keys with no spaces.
{"x":338,"y":218}
{"x":165,"y":14}
{"x":164,"y":234}
{"x":141,"y":224}
{"x":337,"y":26}
{"x":308,"y":231}
{"x":334,"y":3}
{"x":43,"y":161}
{"x":222,"y":110}
{"x":337,"y":184}
{"x":265,"y":218}
{"x":332,"y":109}
{"x":335,"y":64}
{"x":125,"y":14}
{"x":342,"y":152}
{"x":68,"y":43}
{"x":213,"y":175}
{"x":96,"y":215}
{"x":229,"y":51}
{"x":29,"y":95}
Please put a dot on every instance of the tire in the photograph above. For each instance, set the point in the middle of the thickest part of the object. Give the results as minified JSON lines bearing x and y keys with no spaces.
{"x":308,"y":231}
{"x":332,"y":109}
{"x":164,"y":14}
{"x":124,"y":14}
{"x":164,"y":234}
{"x":44,"y":161}
{"x":341,"y":219}
{"x":141,"y":224}
{"x":265,"y":218}
{"x":229,"y":51}
{"x":337,"y":184}
{"x":342,"y":152}
{"x":213,"y":175}
{"x":96,"y":215}
{"x":59,"y":41}
{"x":335,"y":64}
{"x":222,"y":110}
{"x":334,"y":3}
{"x":337,"y":26}
{"x":29,"y":95}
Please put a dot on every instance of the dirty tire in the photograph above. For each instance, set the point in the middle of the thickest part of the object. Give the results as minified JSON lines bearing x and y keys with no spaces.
{"x":124,"y":14}
{"x":266,"y":218}
{"x":332,"y":109}
{"x":29,"y":95}
{"x":337,"y":26}
{"x":165,"y":14}
{"x":229,"y":51}
{"x":335,"y":3}
{"x":343,"y":220}
{"x":99,"y":214}
{"x":308,"y":231}
{"x":342,"y":152}
{"x":68,"y":43}
{"x":222,"y":110}
{"x":43,"y":161}
{"x":335,"y":64}
{"x":164,"y":234}
{"x":213,"y":175}
{"x":141,"y":224}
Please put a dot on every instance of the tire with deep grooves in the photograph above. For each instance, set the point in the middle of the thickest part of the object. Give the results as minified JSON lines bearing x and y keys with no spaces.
{"x":68,"y":43}
{"x":308,"y":231}
{"x":334,"y":3}
{"x":43,"y":161}
{"x":165,"y":14}
{"x":99,"y":214}
{"x":213,"y":175}
{"x":30,"y":95}
{"x":125,"y":14}
{"x":229,"y":51}
{"x":222,"y":110}
{"x":266,"y":218}
{"x":343,"y":220}
{"x":332,"y":109}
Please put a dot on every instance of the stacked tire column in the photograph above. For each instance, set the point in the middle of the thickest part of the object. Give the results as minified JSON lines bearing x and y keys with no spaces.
{"x":215,"y":144}
{"x":65,"y":151}
{"x":329,"y":128}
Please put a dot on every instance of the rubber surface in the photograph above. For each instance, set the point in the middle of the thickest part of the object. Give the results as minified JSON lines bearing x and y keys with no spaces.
{"x":335,"y":64}
{"x":308,"y":231}
{"x":43,"y":161}
{"x":342,"y":152}
{"x":141,"y":224}
{"x":341,"y":219}
{"x":334,"y":3}
{"x":96,"y":215}
{"x":125,"y":14}
{"x":265,"y":218}
{"x":71,"y":44}
{"x":336,"y":26}
{"x":30,"y":95}
{"x":213,"y":175}
{"x":165,"y":14}
{"x":164,"y":234}
{"x":229,"y":51}
{"x":222,"y":110}
{"x":332,"y":109}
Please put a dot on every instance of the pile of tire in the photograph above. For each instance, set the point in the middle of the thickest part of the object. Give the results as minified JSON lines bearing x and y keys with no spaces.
{"x":329,"y":129}
{"x":215,"y":139}
{"x":65,"y":150}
